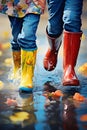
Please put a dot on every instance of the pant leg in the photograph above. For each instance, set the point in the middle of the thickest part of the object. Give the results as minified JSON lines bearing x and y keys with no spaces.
{"x":55,"y":23}
{"x":72,"y":15}
{"x":27,"y":37}
{"x":16,"y":25}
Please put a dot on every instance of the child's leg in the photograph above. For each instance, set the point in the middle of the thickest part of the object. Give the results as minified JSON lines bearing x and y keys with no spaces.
{"x":54,"y":31}
{"x":71,"y":40}
{"x":27,"y":41}
{"x":16,"y":25}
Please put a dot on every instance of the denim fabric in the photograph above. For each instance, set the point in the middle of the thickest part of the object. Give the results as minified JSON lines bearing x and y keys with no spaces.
{"x":16,"y":25}
{"x":72,"y":15}
{"x":64,"y":14}
{"x":24,"y":32}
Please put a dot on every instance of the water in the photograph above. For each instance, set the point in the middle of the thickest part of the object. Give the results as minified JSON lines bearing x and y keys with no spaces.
{"x":34,"y":111}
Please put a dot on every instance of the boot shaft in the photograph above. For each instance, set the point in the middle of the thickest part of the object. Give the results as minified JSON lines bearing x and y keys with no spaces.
{"x":50,"y":59}
{"x":54,"y":43}
{"x":28,"y":60}
{"x":70,"y":53}
{"x":16,"y":61}
{"x":71,"y":45}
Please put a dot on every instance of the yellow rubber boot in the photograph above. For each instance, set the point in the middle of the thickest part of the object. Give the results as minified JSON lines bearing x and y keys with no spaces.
{"x":28,"y":60}
{"x":16,"y":64}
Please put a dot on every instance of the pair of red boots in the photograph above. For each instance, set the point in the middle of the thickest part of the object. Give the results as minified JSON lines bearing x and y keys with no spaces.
{"x":71,"y":45}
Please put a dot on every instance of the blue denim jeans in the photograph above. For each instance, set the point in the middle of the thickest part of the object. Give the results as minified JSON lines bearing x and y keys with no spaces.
{"x":24,"y":32}
{"x":64,"y":14}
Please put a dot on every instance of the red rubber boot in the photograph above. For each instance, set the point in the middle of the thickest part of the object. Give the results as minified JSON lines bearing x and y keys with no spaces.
{"x":50,"y":59}
{"x":71,"y":48}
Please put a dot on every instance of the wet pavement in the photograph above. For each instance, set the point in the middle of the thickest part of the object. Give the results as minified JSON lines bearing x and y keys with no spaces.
{"x":35,"y":111}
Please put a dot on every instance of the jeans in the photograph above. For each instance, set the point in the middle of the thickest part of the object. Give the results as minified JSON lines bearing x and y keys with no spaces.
{"x":64,"y":14}
{"x":24,"y":32}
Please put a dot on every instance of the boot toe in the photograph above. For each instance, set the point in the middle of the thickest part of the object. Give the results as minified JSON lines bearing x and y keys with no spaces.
{"x":50,"y":63}
{"x":71,"y":83}
{"x":23,"y":89}
{"x":48,"y":66}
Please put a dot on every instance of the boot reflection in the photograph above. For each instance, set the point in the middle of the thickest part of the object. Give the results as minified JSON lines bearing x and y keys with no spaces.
{"x":52,"y":108}
{"x":48,"y":87}
{"x":69,"y":115}
{"x":25,"y":102}
{"x":24,"y":114}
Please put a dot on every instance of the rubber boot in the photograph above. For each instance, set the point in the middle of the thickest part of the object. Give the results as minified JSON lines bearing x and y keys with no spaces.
{"x":28,"y":59}
{"x":16,"y":64}
{"x":69,"y":115}
{"x":71,"y":43}
{"x":50,"y":59}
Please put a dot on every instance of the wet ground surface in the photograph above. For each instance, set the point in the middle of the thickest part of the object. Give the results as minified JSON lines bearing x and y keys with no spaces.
{"x":35,"y":111}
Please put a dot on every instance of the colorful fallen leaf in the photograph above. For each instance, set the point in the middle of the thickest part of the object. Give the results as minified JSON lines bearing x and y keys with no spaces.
{"x":8,"y":61}
{"x":1,"y":84}
{"x":19,"y":117}
{"x":5,"y":35}
{"x":83,"y":69}
{"x":5,"y":45}
{"x":83,"y":117}
{"x":11,"y":102}
{"x":78,"y":97}
{"x":58,"y":93}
